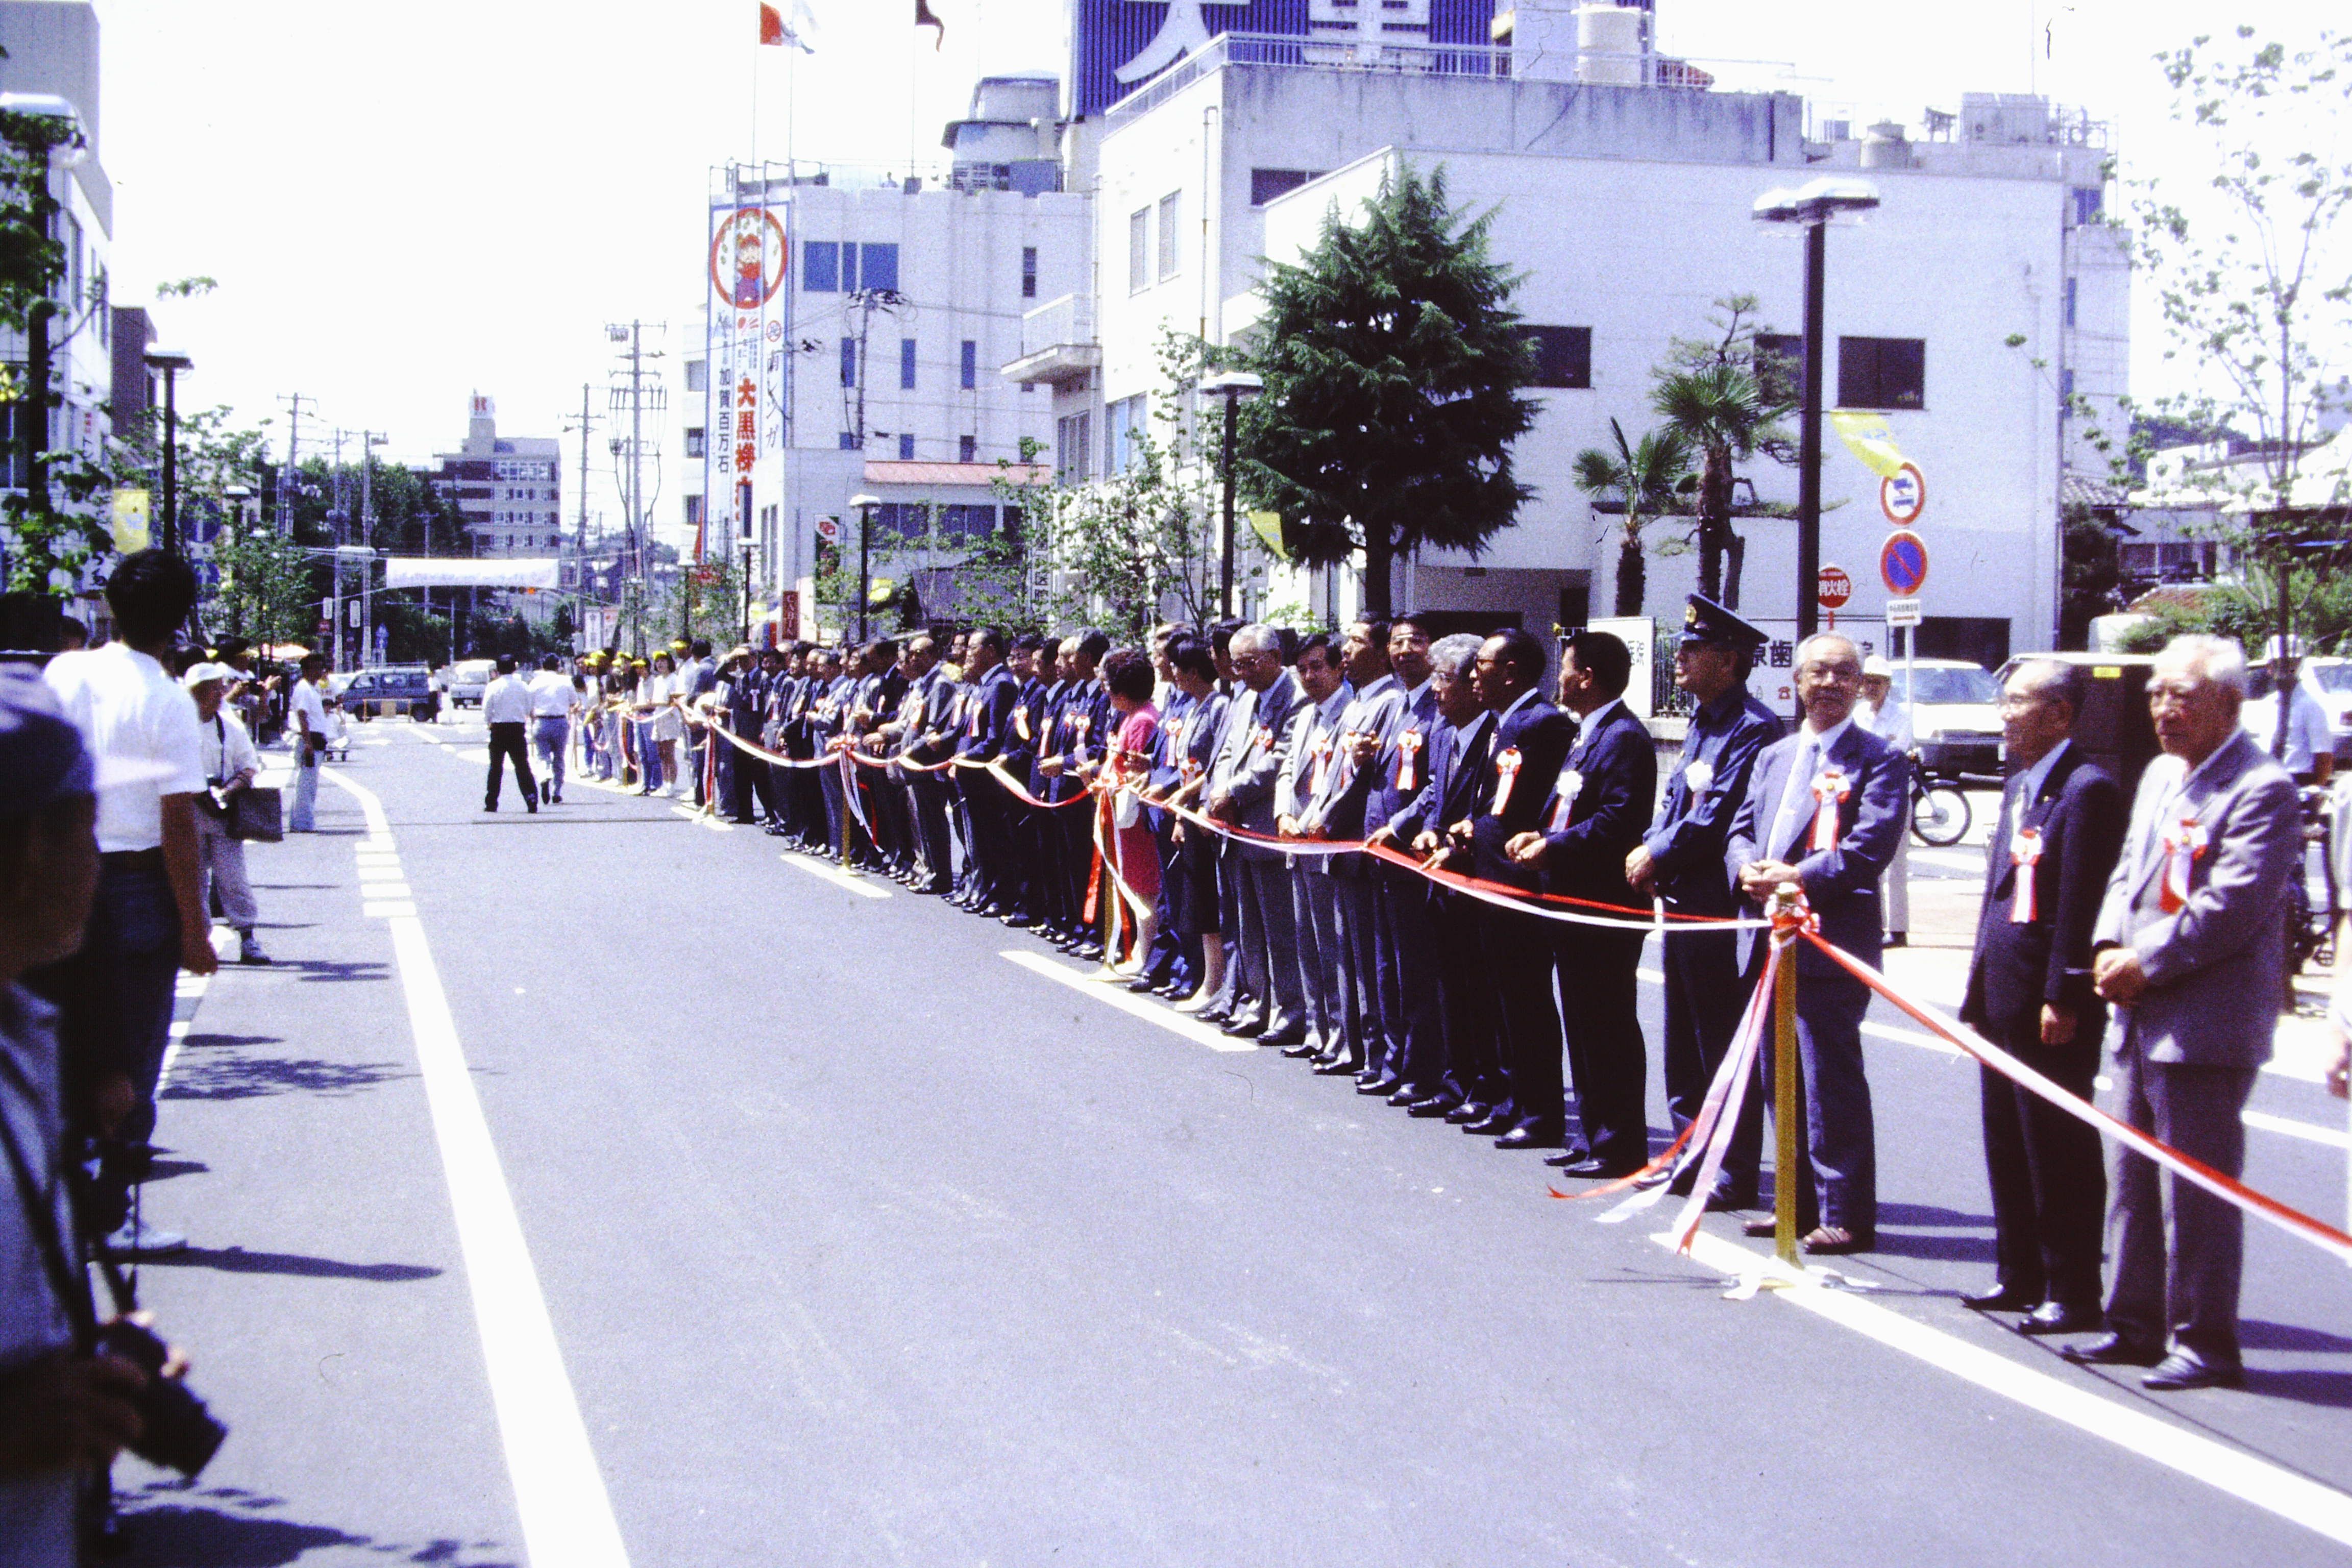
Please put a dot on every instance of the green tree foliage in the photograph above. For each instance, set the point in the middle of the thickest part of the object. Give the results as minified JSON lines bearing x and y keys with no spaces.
{"x":2091,"y":577}
{"x":1726,"y":408}
{"x":1637,"y":480}
{"x":1395,"y":380}
{"x":2248,"y":611}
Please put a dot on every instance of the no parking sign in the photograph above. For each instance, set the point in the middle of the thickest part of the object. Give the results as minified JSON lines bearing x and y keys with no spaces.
{"x":1903,"y":563}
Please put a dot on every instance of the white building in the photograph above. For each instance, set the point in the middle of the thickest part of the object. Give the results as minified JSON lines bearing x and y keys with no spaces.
{"x":509,"y":489}
{"x":1627,"y":207}
{"x":857,"y":318}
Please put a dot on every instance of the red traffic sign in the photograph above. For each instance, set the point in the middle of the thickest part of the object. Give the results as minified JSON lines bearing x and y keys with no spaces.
{"x":828,"y":529}
{"x":1903,"y":563}
{"x":1833,"y":588}
{"x":1903,"y":495}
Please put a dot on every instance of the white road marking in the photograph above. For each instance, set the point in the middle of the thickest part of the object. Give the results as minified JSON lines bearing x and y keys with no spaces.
{"x":1126,"y":1002}
{"x":381,"y":891}
{"x":836,"y":876}
{"x":567,"y":1519}
{"x":2310,"y":1132}
{"x":2316,"y":1508}
{"x":388,"y":910}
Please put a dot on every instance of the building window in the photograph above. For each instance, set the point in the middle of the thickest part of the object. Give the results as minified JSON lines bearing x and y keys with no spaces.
{"x":906,"y":364}
{"x":908,"y":520}
{"x":879,"y":267}
{"x":697,"y":376}
{"x":849,"y":440}
{"x":821,"y":266}
{"x":2065,"y":394}
{"x":959,"y":521}
{"x":1563,"y":355}
{"x":1028,"y":273}
{"x":694,"y":512}
{"x":849,"y":361}
{"x":906,"y":449}
{"x":1139,"y":250}
{"x":695,"y":444}
{"x":1123,"y":433}
{"x":1172,"y":207}
{"x":1779,"y":366}
{"x":970,"y":368}
{"x":967,"y":448}
{"x":2089,"y":201}
{"x":1882,"y":372}
{"x":2071,"y":282}
{"x":1266,"y":184}
{"x":1073,"y":445}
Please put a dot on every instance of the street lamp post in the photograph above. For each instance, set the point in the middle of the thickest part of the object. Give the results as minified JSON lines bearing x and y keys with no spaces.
{"x":1233,"y":385}
{"x":170,"y":364}
{"x":864,"y":505}
{"x":1813,"y":207}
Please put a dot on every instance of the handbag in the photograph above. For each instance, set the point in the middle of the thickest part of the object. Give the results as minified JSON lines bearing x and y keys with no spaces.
{"x":257,"y":813}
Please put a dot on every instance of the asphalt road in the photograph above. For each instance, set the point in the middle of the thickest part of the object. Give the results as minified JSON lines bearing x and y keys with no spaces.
{"x":732,"y":1215}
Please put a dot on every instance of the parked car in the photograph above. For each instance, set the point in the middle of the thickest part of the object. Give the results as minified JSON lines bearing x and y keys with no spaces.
{"x":392,"y":692}
{"x":469,"y":679}
{"x":1954,"y":715}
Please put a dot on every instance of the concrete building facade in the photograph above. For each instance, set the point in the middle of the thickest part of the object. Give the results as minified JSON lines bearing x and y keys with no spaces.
{"x":509,"y":489}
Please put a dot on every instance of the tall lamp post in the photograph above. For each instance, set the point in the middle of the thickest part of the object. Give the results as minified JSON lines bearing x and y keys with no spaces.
{"x":170,"y":364}
{"x":1233,"y":385}
{"x":865,"y":504}
{"x":1812,"y":206}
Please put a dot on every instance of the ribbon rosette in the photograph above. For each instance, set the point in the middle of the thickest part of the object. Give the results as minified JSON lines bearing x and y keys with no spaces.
{"x":1507,"y":769}
{"x":1321,"y":751}
{"x":2024,"y":853}
{"x":2184,"y":846}
{"x":1831,"y":789}
{"x":1408,"y":754}
{"x":1261,"y":737}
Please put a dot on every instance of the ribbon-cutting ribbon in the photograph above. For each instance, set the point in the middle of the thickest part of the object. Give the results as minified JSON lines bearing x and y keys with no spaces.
{"x":2184,"y":846}
{"x":2024,"y":853}
{"x":1507,"y":771}
{"x":1408,"y":754}
{"x":1831,"y":788}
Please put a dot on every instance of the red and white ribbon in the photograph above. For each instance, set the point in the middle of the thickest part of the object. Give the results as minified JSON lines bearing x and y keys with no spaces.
{"x":1408,"y":755}
{"x":2184,"y":846}
{"x":1831,"y":788}
{"x":2024,"y":853}
{"x":1507,"y":769}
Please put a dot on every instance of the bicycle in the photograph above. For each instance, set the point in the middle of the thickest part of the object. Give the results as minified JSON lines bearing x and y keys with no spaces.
{"x":1940,"y":812}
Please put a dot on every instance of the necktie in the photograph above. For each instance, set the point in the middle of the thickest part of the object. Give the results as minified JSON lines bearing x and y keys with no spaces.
{"x":1796,"y":796}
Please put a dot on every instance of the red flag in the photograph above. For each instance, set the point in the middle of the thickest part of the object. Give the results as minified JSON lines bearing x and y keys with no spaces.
{"x":923,"y":18}
{"x":771,"y":25}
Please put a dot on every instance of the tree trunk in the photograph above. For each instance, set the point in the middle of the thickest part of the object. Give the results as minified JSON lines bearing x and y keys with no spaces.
{"x":1379,"y":554}
{"x":1714,"y":520}
{"x":1734,"y":553}
{"x":1631,"y":570}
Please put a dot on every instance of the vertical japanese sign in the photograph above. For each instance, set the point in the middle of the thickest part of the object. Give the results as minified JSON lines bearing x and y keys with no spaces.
{"x":748,"y":261}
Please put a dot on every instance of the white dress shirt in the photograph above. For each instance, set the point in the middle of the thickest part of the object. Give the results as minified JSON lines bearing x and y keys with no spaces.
{"x":550,"y":695}
{"x":141,"y":729}
{"x":306,"y":700}
{"x":507,"y":701}
{"x":226,"y":749}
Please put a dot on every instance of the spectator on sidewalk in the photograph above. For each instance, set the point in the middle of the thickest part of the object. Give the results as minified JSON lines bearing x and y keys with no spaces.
{"x":230,"y":766}
{"x":506,"y":708}
{"x":115,"y":996}
{"x":306,"y":713}
{"x":1889,"y":715}
{"x":551,"y":704}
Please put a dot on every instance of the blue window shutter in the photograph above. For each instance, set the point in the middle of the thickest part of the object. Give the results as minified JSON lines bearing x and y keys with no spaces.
{"x":971,"y":365}
{"x":879,"y":265}
{"x":906,"y":449}
{"x":907,"y":364}
{"x":821,"y":266}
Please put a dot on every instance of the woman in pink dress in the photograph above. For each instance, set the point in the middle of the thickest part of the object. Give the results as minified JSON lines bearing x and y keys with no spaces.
{"x":1127,"y":674}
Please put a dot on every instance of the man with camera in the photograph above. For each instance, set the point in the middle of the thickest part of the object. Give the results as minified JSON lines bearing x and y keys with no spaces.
{"x":306,"y":722}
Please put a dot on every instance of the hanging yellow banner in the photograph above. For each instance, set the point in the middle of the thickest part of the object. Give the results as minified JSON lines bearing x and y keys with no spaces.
{"x":1268,"y":525}
{"x":130,"y":520}
{"x":1868,"y":437}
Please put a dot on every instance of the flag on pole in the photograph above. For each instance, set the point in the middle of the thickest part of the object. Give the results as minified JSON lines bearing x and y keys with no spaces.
{"x":774,"y":29}
{"x":923,"y":18}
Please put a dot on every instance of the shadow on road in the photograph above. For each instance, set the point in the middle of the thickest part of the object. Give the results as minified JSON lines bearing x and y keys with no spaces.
{"x":238,"y":1261}
{"x":2255,"y":1334}
{"x":246,"y":1078}
{"x":224,"y":1530}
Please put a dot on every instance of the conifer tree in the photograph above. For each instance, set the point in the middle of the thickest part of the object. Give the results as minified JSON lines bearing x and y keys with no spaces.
{"x":1394,"y":371}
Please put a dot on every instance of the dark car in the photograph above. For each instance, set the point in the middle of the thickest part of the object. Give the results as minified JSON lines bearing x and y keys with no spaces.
{"x":392,"y":692}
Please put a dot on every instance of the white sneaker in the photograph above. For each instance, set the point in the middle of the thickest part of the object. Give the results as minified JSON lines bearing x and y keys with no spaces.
{"x":139,"y":1240}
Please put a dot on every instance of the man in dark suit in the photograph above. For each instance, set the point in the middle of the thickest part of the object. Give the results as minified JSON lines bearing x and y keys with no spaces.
{"x":1680,"y":860}
{"x":2061,"y":828}
{"x":1393,"y":762}
{"x":1823,"y":809}
{"x":988,"y":719}
{"x":1531,"y":743}
{"x":1593,"y":819}
{"x":1243,"y":795}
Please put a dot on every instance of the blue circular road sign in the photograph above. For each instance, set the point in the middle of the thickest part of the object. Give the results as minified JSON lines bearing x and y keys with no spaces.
{"x":1903,"y":563}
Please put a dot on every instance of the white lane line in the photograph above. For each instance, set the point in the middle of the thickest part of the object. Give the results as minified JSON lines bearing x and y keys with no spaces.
{"x":186,"y":997}
{"x":2316,"y":1508}
{"x":2310,"y":1132}
{"x":696,"y":815}
{"x":388,"y":910}
{"x":836,"y":876}
{"x":1126,"y":1002}
{"x":567,"y":1519}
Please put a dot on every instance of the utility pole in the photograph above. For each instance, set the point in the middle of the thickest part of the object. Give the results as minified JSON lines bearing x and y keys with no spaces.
{"x":290,"y":477}
{"x":336,"y":516}
{"x":369,"y":441}
{"x":640,"y":392}
{"x":587,"y":424}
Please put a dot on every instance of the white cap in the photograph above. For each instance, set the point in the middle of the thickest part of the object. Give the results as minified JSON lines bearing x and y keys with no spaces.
{"x":1877,"y":665}
{"x":200,"y":673}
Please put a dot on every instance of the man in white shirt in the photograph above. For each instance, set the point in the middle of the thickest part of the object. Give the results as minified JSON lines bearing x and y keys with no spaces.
{"x":506,"y":708}
{"x":230,"y":766}
{"x":306,"y":713}
{"x":2309,"y":750}
{"x":551,"y":702}
{"x":116,"y":995}
{"x":1889,"y":715}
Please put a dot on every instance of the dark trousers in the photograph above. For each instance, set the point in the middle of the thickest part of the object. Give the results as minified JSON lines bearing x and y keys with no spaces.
{"x":2187,"y":1289}
{"x":1269,"y":945}
{"x":1606,"y":1056}
{"x":1466,"y":998}
{"x":1405,"y":965}
{"x":1837,"y":1181}
{"x":1704,"y":1002}
{"x":1519,"y":952}
{"x":1315,"y":921}
{"x":746,"y":775}
{"x":931,"y":802}
{"x":508,"y":742}
{"x":986,"y":802}
{"x":1358,"y":967}
{"x":2048,"y":1175}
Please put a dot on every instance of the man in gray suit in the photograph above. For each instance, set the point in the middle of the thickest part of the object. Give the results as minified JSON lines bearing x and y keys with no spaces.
{"x":2190,"y":951}
{"x":1245,"y":797}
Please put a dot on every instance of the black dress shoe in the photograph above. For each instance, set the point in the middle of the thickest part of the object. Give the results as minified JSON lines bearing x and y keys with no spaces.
{"x":1526,"y":1138}
{"x":1334,"y":1069}
{"x":1088,"y":951}
{"x":1018,"y":921}
{"x":1301,"y":1049}
{"x":1469,"y":1113}
{"x":2059,"y":1317}
{"x":1142,"y":986}
{"x":1436,"y":1105}
{"x":1588,"y":1169}
{"x":1245,"y":1025}
{"x":2000,"y":1299}
{"x":1408,"y":1095}
{"x":1383,"y":1085}
{"x":1214,"y":1019}
{"x":1283,"y":1039}
{"x":2181,"y":1370}
{"x":1175,"y":991}
{"x":2114,"y":1350}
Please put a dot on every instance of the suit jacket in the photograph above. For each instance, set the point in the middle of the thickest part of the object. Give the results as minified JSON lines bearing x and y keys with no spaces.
{"x":2077,"y":811}
{"x":1613,"y":769}
{"x":1535,"y":737}
{"x":1402,"y":769}
{"x":1686,"y":838}
{"x":1309,"y":763}
{"x":1338,"y":806}
{"x":988,"y":715}
{"x":1842,"y":881}
{"x":1258,"y":755}
{"x":1457,"y":775}
{"x":2217,"y":964}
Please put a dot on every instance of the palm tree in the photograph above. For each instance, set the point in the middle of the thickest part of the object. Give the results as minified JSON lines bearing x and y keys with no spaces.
{"x":1722,"y":412}
{"x":1642,"y":477}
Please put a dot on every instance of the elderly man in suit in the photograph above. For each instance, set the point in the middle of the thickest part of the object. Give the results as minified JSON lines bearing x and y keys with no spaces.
{"x":2053,"y":849}
{"x":1392,"y":765}
{"x":1598,"y":807}
{"x":1531,"y":743}
{"x":1242,"y":794}
{"x":1823,"y":809}
{"x":2190,"y":950}
{"x":1308,"y":753}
